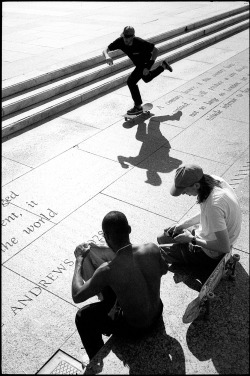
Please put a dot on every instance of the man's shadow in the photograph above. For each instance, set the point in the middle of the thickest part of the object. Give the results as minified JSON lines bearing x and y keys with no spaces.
{"x":152,"y":140}
{"x":224,"y":338}
{"x":155,"y":353}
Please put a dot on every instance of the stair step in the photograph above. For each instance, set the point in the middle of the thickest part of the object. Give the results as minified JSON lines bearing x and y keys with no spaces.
{"x":35,"y":80}
{"x":38,"y":94}
{"x":50,"y":107}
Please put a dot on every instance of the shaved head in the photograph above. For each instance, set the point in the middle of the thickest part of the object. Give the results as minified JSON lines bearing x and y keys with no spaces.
{"x":115,"y":224}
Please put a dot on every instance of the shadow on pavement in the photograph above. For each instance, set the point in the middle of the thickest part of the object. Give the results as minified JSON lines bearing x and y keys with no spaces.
{"x":152,"y":140}
{"x":157,"y":353}
{"x":224,"y":337}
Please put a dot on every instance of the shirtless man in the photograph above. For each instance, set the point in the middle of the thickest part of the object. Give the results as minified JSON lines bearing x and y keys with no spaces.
{"x":130,"y":285}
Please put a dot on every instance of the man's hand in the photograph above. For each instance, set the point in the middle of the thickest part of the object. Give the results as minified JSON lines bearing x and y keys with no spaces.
{"x":184,"y":237}
{"x":173,"y":230}
{"x":109,"y":61}
{"x":82,"y":250}
{"x":145,"y":71}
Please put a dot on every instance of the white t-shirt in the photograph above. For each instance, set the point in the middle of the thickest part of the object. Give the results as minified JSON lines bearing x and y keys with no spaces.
{"x":220,"y":211}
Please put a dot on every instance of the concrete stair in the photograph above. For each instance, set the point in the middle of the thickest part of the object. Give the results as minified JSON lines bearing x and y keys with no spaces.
{"x":38,"y":98}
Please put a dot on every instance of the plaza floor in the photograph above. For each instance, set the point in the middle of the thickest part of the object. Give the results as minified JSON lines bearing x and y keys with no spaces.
{"x":60,"y":177}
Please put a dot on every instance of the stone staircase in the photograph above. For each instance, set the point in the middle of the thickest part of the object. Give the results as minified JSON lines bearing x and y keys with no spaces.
{"x":41,"y":97}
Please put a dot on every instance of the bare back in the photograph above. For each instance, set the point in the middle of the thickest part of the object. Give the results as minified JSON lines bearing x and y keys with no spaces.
{"x":135,"y":276}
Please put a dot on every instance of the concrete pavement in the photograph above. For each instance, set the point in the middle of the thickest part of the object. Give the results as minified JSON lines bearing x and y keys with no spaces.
{"x":62,"y":176}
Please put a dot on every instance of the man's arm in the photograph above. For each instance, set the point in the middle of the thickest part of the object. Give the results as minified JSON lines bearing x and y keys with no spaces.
{"x":179,"y":227}
{"x":105,"y":53}
{"x":195,"y":220}
{"x":81,"y":290}
{"x":221,"y":244}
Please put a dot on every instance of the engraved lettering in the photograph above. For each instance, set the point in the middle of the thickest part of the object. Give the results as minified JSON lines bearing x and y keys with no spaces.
{"x":43,"y":283}
{"x":8,"y":199}
{"x":9,"y":219}
{"x":50,"y":276}
{"x":10,"y":243}
{"x":68,"y":262}
{"x":24,"y":300}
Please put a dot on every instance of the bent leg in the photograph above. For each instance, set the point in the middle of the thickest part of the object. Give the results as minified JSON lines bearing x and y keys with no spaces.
{"x":152,"y":74}
{"x":165,"y":239}
{"x":175,"y":253}
{"x":92,"y":321}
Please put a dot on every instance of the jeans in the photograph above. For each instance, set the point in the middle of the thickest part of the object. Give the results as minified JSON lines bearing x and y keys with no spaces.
{"x":188,"y":255}
{"x":135,"y":76}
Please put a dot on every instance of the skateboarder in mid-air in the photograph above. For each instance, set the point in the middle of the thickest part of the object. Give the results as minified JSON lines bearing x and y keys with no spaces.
{"x":143,"y":54}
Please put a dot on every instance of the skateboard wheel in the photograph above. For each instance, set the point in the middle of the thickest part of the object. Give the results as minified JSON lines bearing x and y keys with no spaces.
{"x":236,"y":257}
{"x":210,"y":295}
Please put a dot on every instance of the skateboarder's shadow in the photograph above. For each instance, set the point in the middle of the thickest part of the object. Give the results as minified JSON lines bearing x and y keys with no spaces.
{"x":223,"y":339}
{"x":154,"y":152}
{"x":155,"y":352}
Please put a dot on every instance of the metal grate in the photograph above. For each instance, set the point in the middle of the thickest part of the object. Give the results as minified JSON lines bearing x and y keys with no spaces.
{"x":65,"y":368}
{"x":61,"y":364}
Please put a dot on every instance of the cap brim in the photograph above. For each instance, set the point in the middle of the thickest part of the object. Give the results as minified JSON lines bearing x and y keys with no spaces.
{"x":174,"y":191}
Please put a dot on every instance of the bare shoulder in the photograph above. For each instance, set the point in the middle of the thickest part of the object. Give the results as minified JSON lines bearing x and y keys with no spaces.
{"x":103,"y":269}
{"x":148,"y":248}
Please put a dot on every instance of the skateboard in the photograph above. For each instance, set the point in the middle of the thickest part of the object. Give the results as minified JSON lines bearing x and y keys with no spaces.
{"x":226,"y":267}
{"x":145,"y":110}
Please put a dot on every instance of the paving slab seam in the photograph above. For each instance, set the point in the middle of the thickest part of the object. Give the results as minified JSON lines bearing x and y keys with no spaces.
{"x":42,"y":287}
{"x":23,"y":208}
{"x":18,"y":162}
{"x":208,"y":159}
{"x":58,"y":155}
{"x":247,"y":165}
{"x":140,"y":207}
{"x":241,"y":250}
{"x":27,"y":245}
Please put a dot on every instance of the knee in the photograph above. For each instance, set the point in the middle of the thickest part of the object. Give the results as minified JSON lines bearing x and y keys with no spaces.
{"x":146,"y":78}
{"x":83,"y":316}
{"x":78,"y":317}
{"x":160,"y":238}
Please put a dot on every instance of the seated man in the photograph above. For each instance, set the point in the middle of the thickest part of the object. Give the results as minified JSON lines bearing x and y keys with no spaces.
{"x":129,"y":283}
{"x":219,"y":221}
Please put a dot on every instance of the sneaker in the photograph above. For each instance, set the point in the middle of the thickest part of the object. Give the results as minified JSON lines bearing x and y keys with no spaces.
{"x":135,"y":110}
{"x":167,"y":66}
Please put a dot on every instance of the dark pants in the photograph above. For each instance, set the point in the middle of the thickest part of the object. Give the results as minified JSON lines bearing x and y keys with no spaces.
{"x":189,"y":255}
{"x":93,"y":320}
{"x":135,"y":76}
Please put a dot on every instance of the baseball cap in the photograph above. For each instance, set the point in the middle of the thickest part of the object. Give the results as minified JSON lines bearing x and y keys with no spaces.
{"x":128,"y":31}
{"x":185,"y":176}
